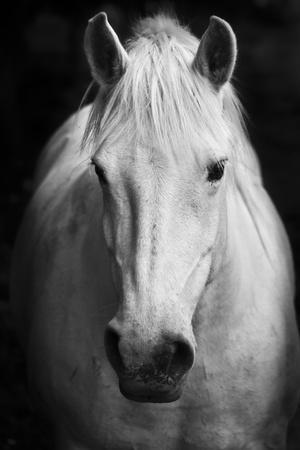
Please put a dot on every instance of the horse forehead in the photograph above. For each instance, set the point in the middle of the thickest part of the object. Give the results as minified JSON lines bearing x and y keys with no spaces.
{"x":141,"y":159}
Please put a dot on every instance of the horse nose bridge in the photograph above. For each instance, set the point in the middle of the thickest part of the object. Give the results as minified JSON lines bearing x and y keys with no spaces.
{"x":151,"y":243}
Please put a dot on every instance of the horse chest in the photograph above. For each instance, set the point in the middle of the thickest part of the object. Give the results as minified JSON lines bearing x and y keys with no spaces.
{"x":103,"y":418}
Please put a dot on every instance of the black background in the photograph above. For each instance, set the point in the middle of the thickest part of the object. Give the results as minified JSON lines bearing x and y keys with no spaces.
{"x":43,"y":78}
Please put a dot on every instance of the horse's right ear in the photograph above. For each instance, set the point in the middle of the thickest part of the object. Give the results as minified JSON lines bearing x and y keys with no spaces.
{"x":106,"y":55}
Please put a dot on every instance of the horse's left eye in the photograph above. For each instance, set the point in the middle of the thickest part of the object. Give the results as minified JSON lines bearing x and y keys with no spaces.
{"x":215,"y":171}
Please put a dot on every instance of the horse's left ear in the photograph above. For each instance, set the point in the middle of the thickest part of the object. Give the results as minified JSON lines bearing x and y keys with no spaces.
{"x":106,"y":55}
{"x":216,"y":54}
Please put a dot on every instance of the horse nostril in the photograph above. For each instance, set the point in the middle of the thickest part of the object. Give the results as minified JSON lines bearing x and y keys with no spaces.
{"x":183,"y":358}
{"x":111,"y":341}
{"x":168,"y":359}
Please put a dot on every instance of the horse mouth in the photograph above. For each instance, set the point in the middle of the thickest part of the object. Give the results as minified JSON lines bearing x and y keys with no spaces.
{"x":141,"y":392}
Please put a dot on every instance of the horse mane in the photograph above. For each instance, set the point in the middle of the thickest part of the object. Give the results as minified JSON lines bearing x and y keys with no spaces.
{"x":161,"y":100}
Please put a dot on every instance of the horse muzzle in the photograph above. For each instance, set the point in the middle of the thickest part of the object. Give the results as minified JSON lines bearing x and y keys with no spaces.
{"x":139,"y":391}
{"x":149,"y":372}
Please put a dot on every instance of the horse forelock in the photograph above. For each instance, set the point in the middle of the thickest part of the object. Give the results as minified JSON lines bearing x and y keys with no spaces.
{"x":162,"y":101}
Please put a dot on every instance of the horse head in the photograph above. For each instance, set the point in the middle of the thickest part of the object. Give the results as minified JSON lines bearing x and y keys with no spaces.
{"x":162,"y":146}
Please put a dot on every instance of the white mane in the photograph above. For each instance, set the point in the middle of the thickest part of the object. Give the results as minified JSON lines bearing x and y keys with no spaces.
{"x":161,"y":100}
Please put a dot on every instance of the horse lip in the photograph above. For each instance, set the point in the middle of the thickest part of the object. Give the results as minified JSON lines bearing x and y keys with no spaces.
{"x":150,"y":395}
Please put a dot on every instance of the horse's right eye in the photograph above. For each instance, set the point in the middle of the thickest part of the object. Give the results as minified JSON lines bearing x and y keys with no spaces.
{"x":100,"y":174}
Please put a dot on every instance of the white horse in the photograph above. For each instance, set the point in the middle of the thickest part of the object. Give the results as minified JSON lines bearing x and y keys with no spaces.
{"x":154,"y":294}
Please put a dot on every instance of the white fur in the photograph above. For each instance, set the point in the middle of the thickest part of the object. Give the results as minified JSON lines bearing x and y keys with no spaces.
{"x":211,"y":264}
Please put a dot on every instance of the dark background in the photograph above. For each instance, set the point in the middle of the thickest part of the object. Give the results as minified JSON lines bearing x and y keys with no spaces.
{"x":43,"y":78}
